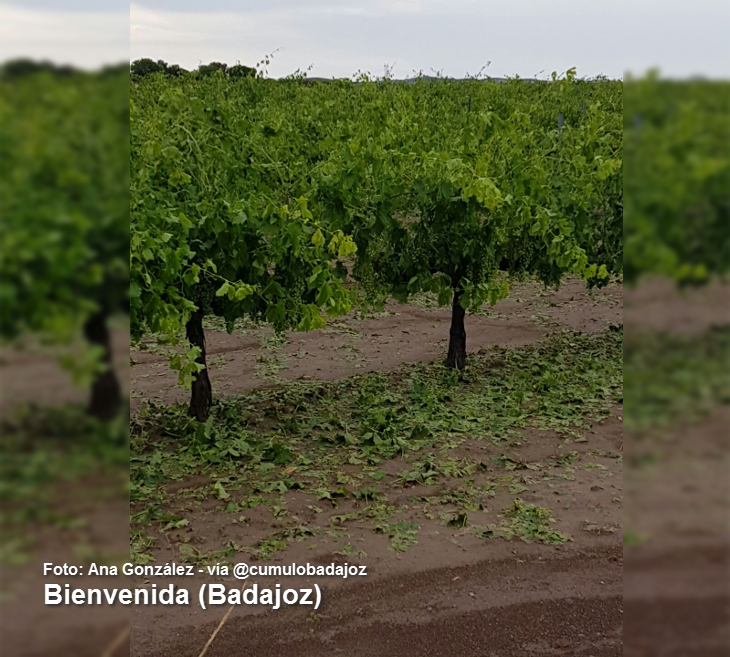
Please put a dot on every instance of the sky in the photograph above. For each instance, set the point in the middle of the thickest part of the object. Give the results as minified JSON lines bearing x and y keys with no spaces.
{"x":339,"y":38}
{"x":83,"y":33}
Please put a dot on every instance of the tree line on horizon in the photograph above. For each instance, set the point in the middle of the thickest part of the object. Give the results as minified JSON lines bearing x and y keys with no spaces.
{"x":141,"y":68}
{"x":22,"y":67}
{"x":138,"y":69}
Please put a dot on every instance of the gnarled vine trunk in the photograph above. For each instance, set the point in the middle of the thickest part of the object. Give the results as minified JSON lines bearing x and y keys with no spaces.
{"x":106,"y":395}
{"x":201,"y":394}
{"x":456,"y":358}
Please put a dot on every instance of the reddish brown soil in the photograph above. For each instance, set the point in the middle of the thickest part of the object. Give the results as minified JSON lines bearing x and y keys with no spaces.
{"x":100,"y":533}
{"x":657,"y":305}
{"x":31,"y":376}
{"x":677,"y":601}
{"x":407,"y":334}
{"x":567,"y":604}
{"x":98,"y":508}
{"x":677,"y":580}
{"x":452,"y":594}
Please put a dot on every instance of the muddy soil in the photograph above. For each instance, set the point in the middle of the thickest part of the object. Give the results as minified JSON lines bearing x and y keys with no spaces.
{"x":677,"y":499}
{"x":525,"y":604}
{"x":677,"y":568}
{"x":241,"y":361}
{"x":657,"y":305}
{"x":451,"y":594}
{"x":32,"y":376}
{"x":100,"y":533}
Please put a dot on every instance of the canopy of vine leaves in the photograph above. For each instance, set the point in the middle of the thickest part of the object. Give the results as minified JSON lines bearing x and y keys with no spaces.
{"x":249,"y":195}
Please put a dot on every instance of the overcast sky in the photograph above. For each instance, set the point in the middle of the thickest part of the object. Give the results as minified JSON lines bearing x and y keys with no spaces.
{"x":65,"y":31}
{"x":342,"y":37}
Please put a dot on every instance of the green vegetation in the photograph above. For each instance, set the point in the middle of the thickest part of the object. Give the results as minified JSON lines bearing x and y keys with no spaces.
{"x":300,"y":437}
{"x":64,"y":200}
{"x":250,"y":197}
{"x":141,"y":68}
{"x":42,"y":453}
{"x":670,"y":378}
{"x":207,"y":237}
{"x":677,"y":210}
{"x":678,"y":174}
{"x":527,"y":522}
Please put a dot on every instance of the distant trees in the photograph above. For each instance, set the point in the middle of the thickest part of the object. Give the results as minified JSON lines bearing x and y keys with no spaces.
{"x":174,"y":70}
{"x":19,"y":68}
{"x":209,"y":69}
{"x":141,"y":68}
{"x":16,"y":69}
{"x":240,"y":71}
